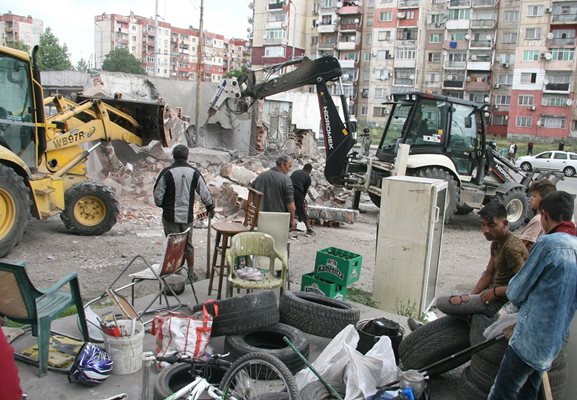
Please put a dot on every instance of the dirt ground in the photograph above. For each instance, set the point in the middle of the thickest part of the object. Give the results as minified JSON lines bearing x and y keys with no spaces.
{"x":51,"y":252}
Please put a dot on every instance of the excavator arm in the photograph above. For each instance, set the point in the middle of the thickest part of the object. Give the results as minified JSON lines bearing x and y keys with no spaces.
{"x":336,"y":132}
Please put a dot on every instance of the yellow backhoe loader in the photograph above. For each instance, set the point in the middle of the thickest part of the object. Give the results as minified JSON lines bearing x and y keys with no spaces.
{"x":43,"y":158}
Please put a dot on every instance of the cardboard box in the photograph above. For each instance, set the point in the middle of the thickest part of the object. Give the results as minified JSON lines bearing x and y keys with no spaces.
{"x":312,"y":284}
{"x":339,"y":266}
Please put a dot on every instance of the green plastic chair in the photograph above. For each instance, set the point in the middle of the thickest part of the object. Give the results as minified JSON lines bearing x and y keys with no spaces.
{"x":260,"y":245}
{"x":21,"y":302}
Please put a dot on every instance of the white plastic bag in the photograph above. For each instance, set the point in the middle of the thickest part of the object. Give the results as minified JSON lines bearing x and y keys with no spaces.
{"x":507,"y":316}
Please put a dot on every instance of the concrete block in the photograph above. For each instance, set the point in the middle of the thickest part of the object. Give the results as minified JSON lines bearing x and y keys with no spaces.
{"x":333,"y":214}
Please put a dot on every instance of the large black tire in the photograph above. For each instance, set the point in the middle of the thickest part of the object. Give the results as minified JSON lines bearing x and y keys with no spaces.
{"x":15,"y":203}
{"x":452,"y":188}
{"x":467,"y":389}
{"x":433,"y":342}
{"x":243,"y":313}
{"x":177,"y":376}
{"x":517,"y":206}
{"x":492,"y":354}
{"x":270,"y":340}
{"x":375,"y":198}
{"x":90,"y":209}
{"x":482,"y":372}
{"x":317,"y":315}
{"x":265,"y":361}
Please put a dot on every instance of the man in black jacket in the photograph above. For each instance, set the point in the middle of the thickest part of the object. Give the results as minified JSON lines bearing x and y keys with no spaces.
{"x":301,"y":180}
{"x":174,"y":191}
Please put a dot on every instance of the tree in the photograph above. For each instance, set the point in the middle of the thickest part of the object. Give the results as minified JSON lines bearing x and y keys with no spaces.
{"x":120,"y":60}
{"x":52,"y":56}
{"x":18,"y":45}
{"x":235,"y":73}
{"x":82,"y":65}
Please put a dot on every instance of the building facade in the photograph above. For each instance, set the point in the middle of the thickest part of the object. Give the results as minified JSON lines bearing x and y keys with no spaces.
{"x":518,"y":56}
{"x":18,"y":28}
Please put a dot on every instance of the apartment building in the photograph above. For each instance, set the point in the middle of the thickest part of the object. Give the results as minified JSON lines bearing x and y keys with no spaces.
{"x":19,"y":28}
{"x":177,"y":54}
{"x":518,"y":56}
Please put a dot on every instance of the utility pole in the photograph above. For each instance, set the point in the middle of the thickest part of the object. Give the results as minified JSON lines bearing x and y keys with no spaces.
{"x":155,"y":39}
{"x":294,"y":27}
{"x":199,"y":134}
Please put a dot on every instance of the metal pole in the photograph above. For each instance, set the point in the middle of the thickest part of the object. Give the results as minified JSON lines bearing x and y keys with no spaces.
{"x":294,"y":28}
{"x":199,"y":134}
{"x":155,"y":38}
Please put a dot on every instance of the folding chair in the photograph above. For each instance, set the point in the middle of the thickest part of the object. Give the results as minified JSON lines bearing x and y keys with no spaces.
{"x":21,"y":302}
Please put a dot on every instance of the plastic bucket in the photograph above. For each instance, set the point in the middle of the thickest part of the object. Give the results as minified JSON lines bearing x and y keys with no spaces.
{"x":371,"y":330}
{"x":126,"y":351}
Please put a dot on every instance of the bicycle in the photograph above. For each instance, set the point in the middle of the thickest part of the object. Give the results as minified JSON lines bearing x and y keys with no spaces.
{"x":255,"y":376}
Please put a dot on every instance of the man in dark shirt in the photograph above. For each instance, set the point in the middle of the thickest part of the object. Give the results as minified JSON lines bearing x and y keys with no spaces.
{"x":277,"y":188}
{"x":301,"y":180}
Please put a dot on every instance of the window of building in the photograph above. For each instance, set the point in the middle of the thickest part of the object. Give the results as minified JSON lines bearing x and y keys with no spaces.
{"x":364,"y":110}
{"x":406,"y":54}
{"x":277,"y":16}
{"x":384,"y":35}
{"x":503,"y":100}
{"x":274,"y":51}
{"x":326,"y":3}
{"x":500,"y":120}
{"x":563,"y":54}
{"x":314,"y":40}
{"x":369,"y":39}
{"x":410,"y":15}
{"x":380,"y":112}
{"x":509,"y":38}
{"x":460,"y":13}
{"x":380,"y":93}
{"x":554,"y":122}
{"x":437,"y":18}
{"x":558,"y":78}
{"x":523,"y":122}
{"x":505,"y":79}
{"x":435,"y":38}
{"x":554,"y":100}
{"x":528,"y":77}
{"x":457,"y":36}
{"x":274,"y":33}
{"x":511,"y":16}
{"x":531,"y":55}
{"x":535,"y":11}
{"x":133,"y":27}
{"x":526,"y":100}
{"x":434,"y":57}
{"x":150,"y":59}
{"x":385,"y":16}
{"x":533,"y":33}
{"x":382,"y":74}
{"x":367,"y":57}
{"x":433,"y":77}
{"x":507,"y":58}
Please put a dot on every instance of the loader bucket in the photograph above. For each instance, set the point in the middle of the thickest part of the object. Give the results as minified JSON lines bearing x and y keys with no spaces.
{"x":155,"y":120}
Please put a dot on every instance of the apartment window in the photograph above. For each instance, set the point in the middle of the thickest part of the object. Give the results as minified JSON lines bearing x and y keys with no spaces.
{"x":531,"y":55}
{"x":500,"y":120}
{"x":434,"y":57}
{"x":477,"y":97}
{"x":554,"y":100}
{"x":523,"y":122}
{"x":526,"y":100}
{"x":563,"y":54}
{"x":535,"y":11}
{"x":457,"y":36}
{"x":364,"y":110}
{"x":380,"y":93}
{"x":134,"y":38}
{"x":384,"y":35}
{"x":460,"y":13}
{"x":134,"y":49}
{"x":435,"y":38}
{"x":437,"y":18}
{"x":503,"y":100}
{"x":528,"y":77}
{"x":369,"y":39}
{"x":508,"y":58}
{"x":382,"y":55}
{"x":328,"y":3}
{"x":554,"y":122}
{"x":558,"y":78}
{"x":274,"y":33}
{"x":380,"y":112}
{"x":274,"y":51}
{"x":133,"y":27}
{"x":367,"y":57}
{"x":433,"y":77}
{"x":316,"y":7}
{"x":410,"y":15}
{"x":314,"y":40}
{"x":277,"y":17}
{"x":509,"y":38}
{"x":385,"y":16}
{"x":505,"y":79}
{"x":511,"y":16}
{"x":533,"y":33}
{"x":406,"y":54}
{"x":150,"y":59}
{"x":382,"y":74}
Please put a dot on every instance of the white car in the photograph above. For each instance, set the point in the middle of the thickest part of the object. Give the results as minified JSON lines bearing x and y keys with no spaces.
{"x":550,"y":160}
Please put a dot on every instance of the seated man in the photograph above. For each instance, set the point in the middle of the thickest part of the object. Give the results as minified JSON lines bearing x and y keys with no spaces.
{"x":533,"y":230}
{"x":508,"y":253}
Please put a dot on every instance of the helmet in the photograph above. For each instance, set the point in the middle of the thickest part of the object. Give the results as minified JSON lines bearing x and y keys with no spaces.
{"x":91,"y":366}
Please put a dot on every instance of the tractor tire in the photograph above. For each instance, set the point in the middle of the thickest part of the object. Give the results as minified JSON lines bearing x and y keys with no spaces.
{"x":90,"y":209}
{"x":243,"y":313}
{"x":433,"y":342}
{"x":14,"y":209}
{"x":452,"y":188}
{"x":464,"y":210}
{"x":176,"y":376}
{"x":270,"y":340}
{"x":517,"y":206}
{"x":375,"y":198}
{"x":317,"y":315}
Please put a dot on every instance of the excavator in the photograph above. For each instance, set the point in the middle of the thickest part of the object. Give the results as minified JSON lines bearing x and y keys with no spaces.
{"x":432,"y":136}
{"x":43,"y":158}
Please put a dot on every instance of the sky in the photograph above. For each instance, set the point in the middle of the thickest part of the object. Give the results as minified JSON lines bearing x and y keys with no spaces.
{"x":72,"y":21}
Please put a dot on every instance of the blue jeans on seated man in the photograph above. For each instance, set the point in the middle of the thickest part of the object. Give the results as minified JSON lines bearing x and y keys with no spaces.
{"x":515,"y":379}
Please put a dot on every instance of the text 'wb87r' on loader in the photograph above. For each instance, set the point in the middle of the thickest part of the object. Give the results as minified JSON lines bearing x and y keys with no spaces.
{"x":42,"y":158}
{"x":435,"y":136}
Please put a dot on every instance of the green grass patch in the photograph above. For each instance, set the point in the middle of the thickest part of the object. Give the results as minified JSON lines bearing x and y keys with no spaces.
{"x":360,"y":296}
{"x":69,"y":311}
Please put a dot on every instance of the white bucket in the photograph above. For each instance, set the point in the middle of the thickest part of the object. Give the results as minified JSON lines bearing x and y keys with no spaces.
{"x":126,"y":351}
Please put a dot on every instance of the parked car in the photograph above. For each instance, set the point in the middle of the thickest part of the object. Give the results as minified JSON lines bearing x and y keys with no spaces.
{"x":550,"y":160}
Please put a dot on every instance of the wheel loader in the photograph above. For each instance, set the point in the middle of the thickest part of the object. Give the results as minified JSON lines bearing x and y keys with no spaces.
{"x":436,"y":136}
{"x":43,"y":158}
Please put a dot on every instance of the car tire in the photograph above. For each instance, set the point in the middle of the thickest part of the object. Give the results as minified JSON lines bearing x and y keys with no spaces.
{"x":467,"y":389}
{"x":270,"y":340}
{"x":569,"y":171}
{"x":492,"y":354}
{"x":317,"y":315}
{"x":526,"y":166}
{"x":243,"y":313}
{"x":433,"y":342}
{"x":177,"y":376}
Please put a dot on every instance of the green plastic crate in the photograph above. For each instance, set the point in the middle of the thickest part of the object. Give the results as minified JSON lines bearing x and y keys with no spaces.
{"x":339,"y":266}
{"x":312,"y":284}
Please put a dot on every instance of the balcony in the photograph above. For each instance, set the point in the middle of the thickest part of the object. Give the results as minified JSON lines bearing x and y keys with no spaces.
{"x":484,"y":3}
{"x":276,"y":6}
{"x":408,"y":3}
{"x":273,"y":41}
{"x":404,"y":82}
{"x":475,"y":86}
{"x":349,"y":10}
{"x":484,"y":23}
{"x":347,"y":63}
{"x":557,"y":88}
{"x":326,"y":45}
{"x":453,"y":84}
{"x":480,"y":44}
{"x":405,"y":63}
{"x":479,"y":65}
{"x":563,"y":18}
{"x":406,"y":43}
{"x":275,"y":25}
{"x":346,"y":45}
{"x":455,"y":64}
{"x":460,"y":24}
{"x":326,"y":28}
{"x":348,"y":27}
{"x":455,"y":45}
{"x":459,"y":3}
{"x":561,"y":42}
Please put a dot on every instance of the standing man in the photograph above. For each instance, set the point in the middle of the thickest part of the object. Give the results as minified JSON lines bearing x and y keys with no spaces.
{"x":545,"y":290}
{"x":174,"y":191}
{"x":278,"y":189}
{"x":301,"y":180}
{"x":530,"y":147}
{"x":561,"y":145}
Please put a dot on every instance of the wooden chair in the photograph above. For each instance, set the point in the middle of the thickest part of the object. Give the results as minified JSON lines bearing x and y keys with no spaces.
{"x":226,"y":230}
{"x":21,"y":302}
{"x":255,"y":244}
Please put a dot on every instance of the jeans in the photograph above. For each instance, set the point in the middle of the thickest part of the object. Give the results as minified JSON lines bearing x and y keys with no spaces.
{"x":474,"y":305}
{"x":515,"y":379}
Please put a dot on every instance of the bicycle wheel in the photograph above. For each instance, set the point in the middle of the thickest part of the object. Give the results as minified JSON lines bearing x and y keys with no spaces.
{"x":257,"y":376}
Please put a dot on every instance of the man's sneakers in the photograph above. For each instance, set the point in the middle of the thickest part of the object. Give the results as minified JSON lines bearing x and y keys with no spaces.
{"x":310,"y":232}
{"x":414,"y":324}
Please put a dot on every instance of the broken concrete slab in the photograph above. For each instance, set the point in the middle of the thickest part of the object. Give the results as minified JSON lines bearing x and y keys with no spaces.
{"x":237,"y":173}
{"x":203,"y":156}
{"x":333,"y":214}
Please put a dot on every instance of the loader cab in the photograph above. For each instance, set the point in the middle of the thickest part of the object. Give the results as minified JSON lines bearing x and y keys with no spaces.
{"x":17,"y":119}
{"x":439,"y":125}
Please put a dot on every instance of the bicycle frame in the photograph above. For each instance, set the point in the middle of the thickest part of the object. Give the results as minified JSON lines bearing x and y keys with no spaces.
{"x":198,"y":387}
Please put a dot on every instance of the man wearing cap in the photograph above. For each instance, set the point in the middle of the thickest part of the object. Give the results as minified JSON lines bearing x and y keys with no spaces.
{"x":174,"y":191}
